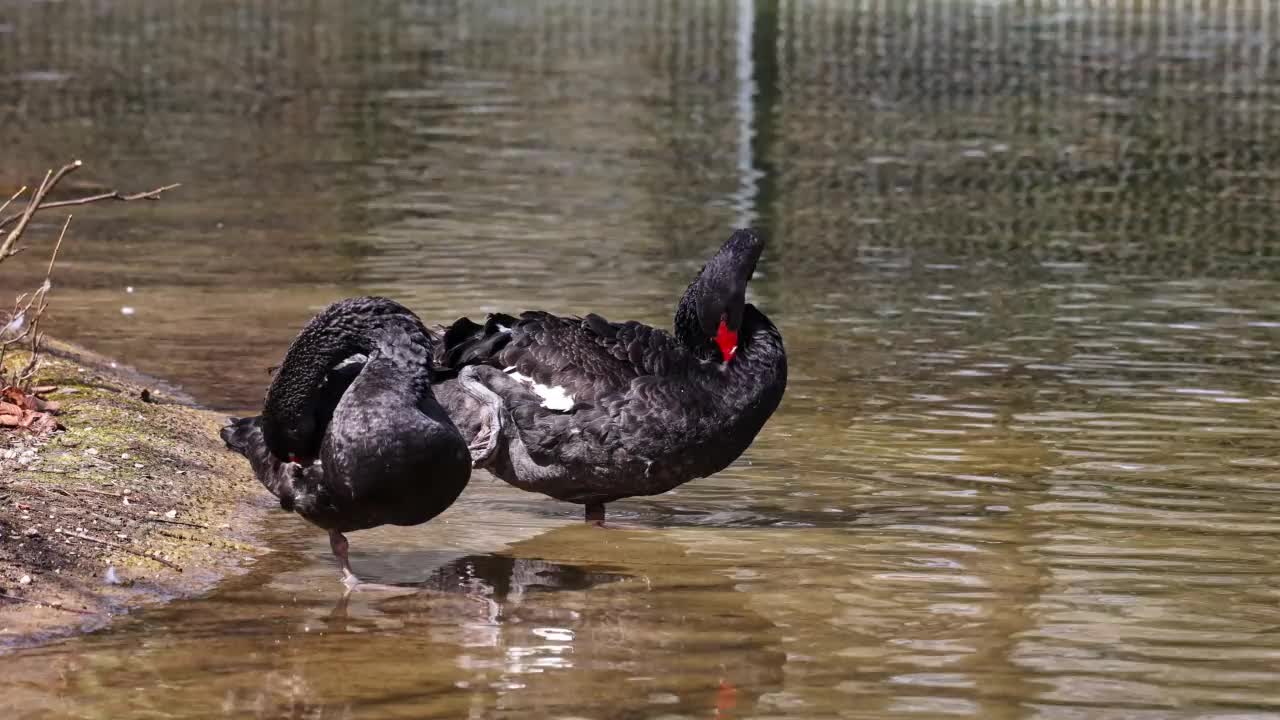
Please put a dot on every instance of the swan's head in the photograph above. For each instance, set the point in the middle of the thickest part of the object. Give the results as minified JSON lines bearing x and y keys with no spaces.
{"x":710,"y":312}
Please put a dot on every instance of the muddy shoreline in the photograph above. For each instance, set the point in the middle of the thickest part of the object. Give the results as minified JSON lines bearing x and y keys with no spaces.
{"x":135,"y":503}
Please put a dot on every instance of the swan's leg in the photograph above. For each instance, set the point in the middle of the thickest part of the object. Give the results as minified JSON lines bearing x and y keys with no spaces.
{"x":338,"y":543}
{"x":485,"y":445}
{"x":595,"y":514}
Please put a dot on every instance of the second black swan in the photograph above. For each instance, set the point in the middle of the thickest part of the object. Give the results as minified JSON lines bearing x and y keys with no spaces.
{"x":590,"y":411}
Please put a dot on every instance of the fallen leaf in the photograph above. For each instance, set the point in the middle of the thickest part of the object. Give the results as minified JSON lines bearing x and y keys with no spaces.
{"x":42,"y":405}
{"x":44,"y":424}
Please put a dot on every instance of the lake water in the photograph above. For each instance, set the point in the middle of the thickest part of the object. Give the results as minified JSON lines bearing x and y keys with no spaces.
{"x":1022,"y":254}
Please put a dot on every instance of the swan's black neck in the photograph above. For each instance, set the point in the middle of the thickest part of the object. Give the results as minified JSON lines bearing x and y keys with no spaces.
{"x":299,"y":403}
{"x":712,"y":306}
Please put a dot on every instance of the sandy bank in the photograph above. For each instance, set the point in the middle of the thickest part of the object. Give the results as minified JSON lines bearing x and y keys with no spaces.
{"x":136,"y":502}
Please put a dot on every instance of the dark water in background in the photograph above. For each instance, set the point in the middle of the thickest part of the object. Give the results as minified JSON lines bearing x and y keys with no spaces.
{"x":1021,"y":253}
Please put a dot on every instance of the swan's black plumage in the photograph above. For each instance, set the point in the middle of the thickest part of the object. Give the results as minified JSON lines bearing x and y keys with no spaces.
{"x":351,"y":435}
{"x":649,"y":409}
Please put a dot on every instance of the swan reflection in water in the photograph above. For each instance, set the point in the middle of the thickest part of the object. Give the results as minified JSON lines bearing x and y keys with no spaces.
{"x":549,"y":626}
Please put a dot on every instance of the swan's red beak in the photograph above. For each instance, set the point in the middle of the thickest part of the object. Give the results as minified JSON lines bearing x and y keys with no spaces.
{"x":727,"y":340}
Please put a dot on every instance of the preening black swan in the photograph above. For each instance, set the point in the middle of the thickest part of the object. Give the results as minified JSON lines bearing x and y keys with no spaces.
{"x":588,"y":411}
{"x":351,"y":435}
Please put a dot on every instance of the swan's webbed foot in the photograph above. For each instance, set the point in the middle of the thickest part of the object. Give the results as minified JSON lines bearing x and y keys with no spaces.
{"x":484,"y":446}
{"x":350,"y":581}
{"x":338,"y":543}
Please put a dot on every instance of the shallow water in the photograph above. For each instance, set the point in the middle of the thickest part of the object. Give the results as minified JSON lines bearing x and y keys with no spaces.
{"x":1021,"y":255}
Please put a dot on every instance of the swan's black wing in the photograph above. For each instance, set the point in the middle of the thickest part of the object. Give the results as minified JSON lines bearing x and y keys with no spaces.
{"x":587,"y":359}
{"x":585,"y":392}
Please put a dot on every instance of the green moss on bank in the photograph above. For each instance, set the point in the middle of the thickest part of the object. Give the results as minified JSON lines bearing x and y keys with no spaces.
{"x":143,"y":487}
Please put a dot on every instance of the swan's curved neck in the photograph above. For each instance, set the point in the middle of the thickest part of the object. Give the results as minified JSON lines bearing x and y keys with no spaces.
{"x":293,"y":414}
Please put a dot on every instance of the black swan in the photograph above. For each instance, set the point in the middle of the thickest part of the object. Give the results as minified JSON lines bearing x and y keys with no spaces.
{"x":351,"y":435}
{"x":588,"y":411}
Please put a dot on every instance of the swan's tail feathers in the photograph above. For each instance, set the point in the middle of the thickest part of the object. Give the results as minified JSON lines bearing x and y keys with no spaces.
{"x":470,"y":343}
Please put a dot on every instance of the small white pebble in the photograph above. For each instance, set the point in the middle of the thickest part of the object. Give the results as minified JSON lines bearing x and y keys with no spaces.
{"x":138,"y":465}
{"x":124,"y":456}
{"x":128,"y":288}
{"x":24,"y":580}
{"x":124,"y":501}
{"x":91,"y":451}
{"x":171,"y":514}
{"x":126,"y":310}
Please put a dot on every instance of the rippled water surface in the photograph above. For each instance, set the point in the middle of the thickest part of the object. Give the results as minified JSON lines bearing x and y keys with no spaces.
{"x":1022,"y":254}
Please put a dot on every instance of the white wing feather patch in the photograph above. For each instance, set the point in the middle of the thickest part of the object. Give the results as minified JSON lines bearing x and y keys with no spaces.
{"x":357,"y":358}
{"x":553,"y":398}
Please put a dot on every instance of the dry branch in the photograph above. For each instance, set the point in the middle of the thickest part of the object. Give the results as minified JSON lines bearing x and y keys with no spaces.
{"x":37,"y":203}
{"x":113,"y":195}
{"x":50,"y":180}
{"x":29,"y":370}
{"x":124,"y":548}
{"x":23,"y":324}
{"x":175,"y":522}
{"x":15,"y":598}
{"x":15,"y":197}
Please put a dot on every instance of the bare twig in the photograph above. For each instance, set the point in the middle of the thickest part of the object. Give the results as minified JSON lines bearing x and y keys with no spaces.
{"x":175,"y":522}
{"x":19,"y":314}
{"x":23,"y":325}
{"x":24,"y":217}
{"x":15,"y":197}
{"x":98,"y":492}
{"x":112,"y":195}
{"x":54,"y":257}
{"x":15,"y":598}
{"x":42,"y":294}
{"x":124,"y":548}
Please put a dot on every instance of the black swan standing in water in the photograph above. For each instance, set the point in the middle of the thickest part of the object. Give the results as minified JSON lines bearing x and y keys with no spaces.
{"x":588,"y":411}
{"x":351,"y":435}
